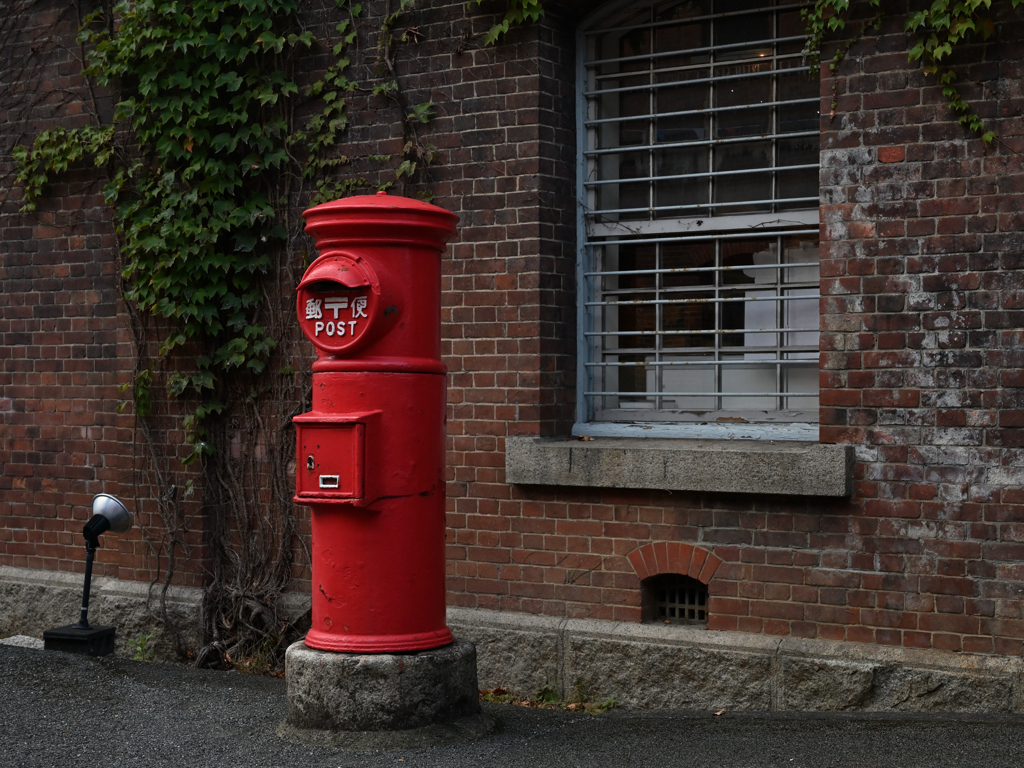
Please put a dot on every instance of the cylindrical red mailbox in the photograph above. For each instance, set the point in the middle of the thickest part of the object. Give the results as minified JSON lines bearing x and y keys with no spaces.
{"x":370,"y":455}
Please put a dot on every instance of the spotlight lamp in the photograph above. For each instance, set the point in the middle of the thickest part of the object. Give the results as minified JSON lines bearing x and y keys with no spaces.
{"x":108,"y":514}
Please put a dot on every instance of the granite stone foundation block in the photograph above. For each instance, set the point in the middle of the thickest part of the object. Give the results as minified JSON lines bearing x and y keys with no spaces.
{"x":906,"y":689}
{"x":826,"y":685}
{"x":523,"y":661}
{"x":638,"y":665}
{"x":330,"y":691}
{"x":814,"y":685}
{"x":680,"y":677}
{"x":29,"y":609}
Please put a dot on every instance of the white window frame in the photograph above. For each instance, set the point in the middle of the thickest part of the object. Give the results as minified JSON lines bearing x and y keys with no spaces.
{"x":721,"y":227}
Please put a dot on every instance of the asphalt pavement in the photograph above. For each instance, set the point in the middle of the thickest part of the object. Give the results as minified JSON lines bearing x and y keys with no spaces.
{"x":63,"y":710}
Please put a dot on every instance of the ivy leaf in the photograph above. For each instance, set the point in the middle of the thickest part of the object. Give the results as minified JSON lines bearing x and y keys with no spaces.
{"x":245,"y":241}
{"x":232,"y":80}
{"x":180,"y":80}
{"x":224,"y":141}
{"x":422,"y":112}
{"x":271,"y":41}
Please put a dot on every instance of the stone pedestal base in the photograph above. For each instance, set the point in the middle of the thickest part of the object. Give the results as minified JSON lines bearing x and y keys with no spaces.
{"x":383,"y":700}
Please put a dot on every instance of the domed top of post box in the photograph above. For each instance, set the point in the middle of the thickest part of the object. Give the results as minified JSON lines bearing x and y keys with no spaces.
{"x":380,"y":219}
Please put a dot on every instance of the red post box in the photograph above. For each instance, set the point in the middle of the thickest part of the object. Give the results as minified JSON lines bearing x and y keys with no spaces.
{"x":370,"y":455}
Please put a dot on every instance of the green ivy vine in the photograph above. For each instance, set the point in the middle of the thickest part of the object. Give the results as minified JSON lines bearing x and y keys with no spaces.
{"x":197,"y":157}
{"x":324,"y":128}
{"x":194,"y":152}
{"x":937,"y":32}
{"x":210,"y":147}
{"x":518,"y":12}
{"x":321,"y":133}
{"x":417,"y":155}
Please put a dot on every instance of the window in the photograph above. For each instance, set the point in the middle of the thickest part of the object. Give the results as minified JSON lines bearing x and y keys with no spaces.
{"x":699,"y":191}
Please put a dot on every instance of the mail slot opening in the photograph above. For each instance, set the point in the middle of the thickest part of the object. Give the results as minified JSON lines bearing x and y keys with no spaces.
{"x":324,"y":286}
{"x":329,"y":481}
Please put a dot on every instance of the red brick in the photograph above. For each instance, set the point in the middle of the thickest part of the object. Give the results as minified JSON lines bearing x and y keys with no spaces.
{"x":892,"y":154}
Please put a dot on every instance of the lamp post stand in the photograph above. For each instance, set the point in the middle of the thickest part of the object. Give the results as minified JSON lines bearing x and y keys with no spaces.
{"x":80,"y":637}
{"x":109,"y":514}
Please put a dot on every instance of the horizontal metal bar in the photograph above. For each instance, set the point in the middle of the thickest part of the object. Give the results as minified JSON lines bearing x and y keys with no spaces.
{"x":650,"y":395}
{"x":702,"y":175}
{"x":761,"y":66}
{"x":699,"y":363}
{"x":694,"y":81}
{"x":704,"y":111}
{"x":651,"y":302}
{"x":685,"y":290}
{"x":706,"y":17}
{"x":751,"y":235}
{"x":621,"y":352}
{"x":677,"y":294}
{"x":698,"y":206}
{"x":709,"y":64}
{"x":683,"y":270}
{"x":625,"y":148}
{"x":804,"y":349}
{"x":772,"y":41}
{"x":682,"y":290}
{"x":694,"y":333}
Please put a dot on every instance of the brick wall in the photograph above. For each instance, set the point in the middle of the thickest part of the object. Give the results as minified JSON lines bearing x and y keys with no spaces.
{"x":66,"y":344}
{"x":922,"y":273}
{"x":921,"y":281}
{"x":918,"y":362}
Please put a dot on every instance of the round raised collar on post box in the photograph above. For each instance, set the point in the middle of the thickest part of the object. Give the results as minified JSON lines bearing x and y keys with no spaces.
{"x":337,"y":303}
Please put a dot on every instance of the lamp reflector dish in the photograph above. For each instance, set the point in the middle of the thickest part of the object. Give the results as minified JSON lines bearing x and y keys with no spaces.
{"x":112,"y":509}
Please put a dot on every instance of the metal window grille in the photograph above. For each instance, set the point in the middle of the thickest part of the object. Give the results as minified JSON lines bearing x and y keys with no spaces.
{"x":699,"y":184}
{"x":677,"y":599}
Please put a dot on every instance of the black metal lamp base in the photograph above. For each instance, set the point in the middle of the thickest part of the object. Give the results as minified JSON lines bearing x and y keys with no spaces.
{"x":94,"y":641}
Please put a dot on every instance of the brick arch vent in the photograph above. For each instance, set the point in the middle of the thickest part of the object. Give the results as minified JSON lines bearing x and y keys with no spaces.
{"x":674,"y":557}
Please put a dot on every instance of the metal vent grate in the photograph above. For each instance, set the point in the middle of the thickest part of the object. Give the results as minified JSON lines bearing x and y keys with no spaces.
{"x":676,"y":599}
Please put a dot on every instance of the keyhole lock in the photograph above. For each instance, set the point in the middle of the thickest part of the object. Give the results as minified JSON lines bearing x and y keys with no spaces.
{"x":310,"y":463}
